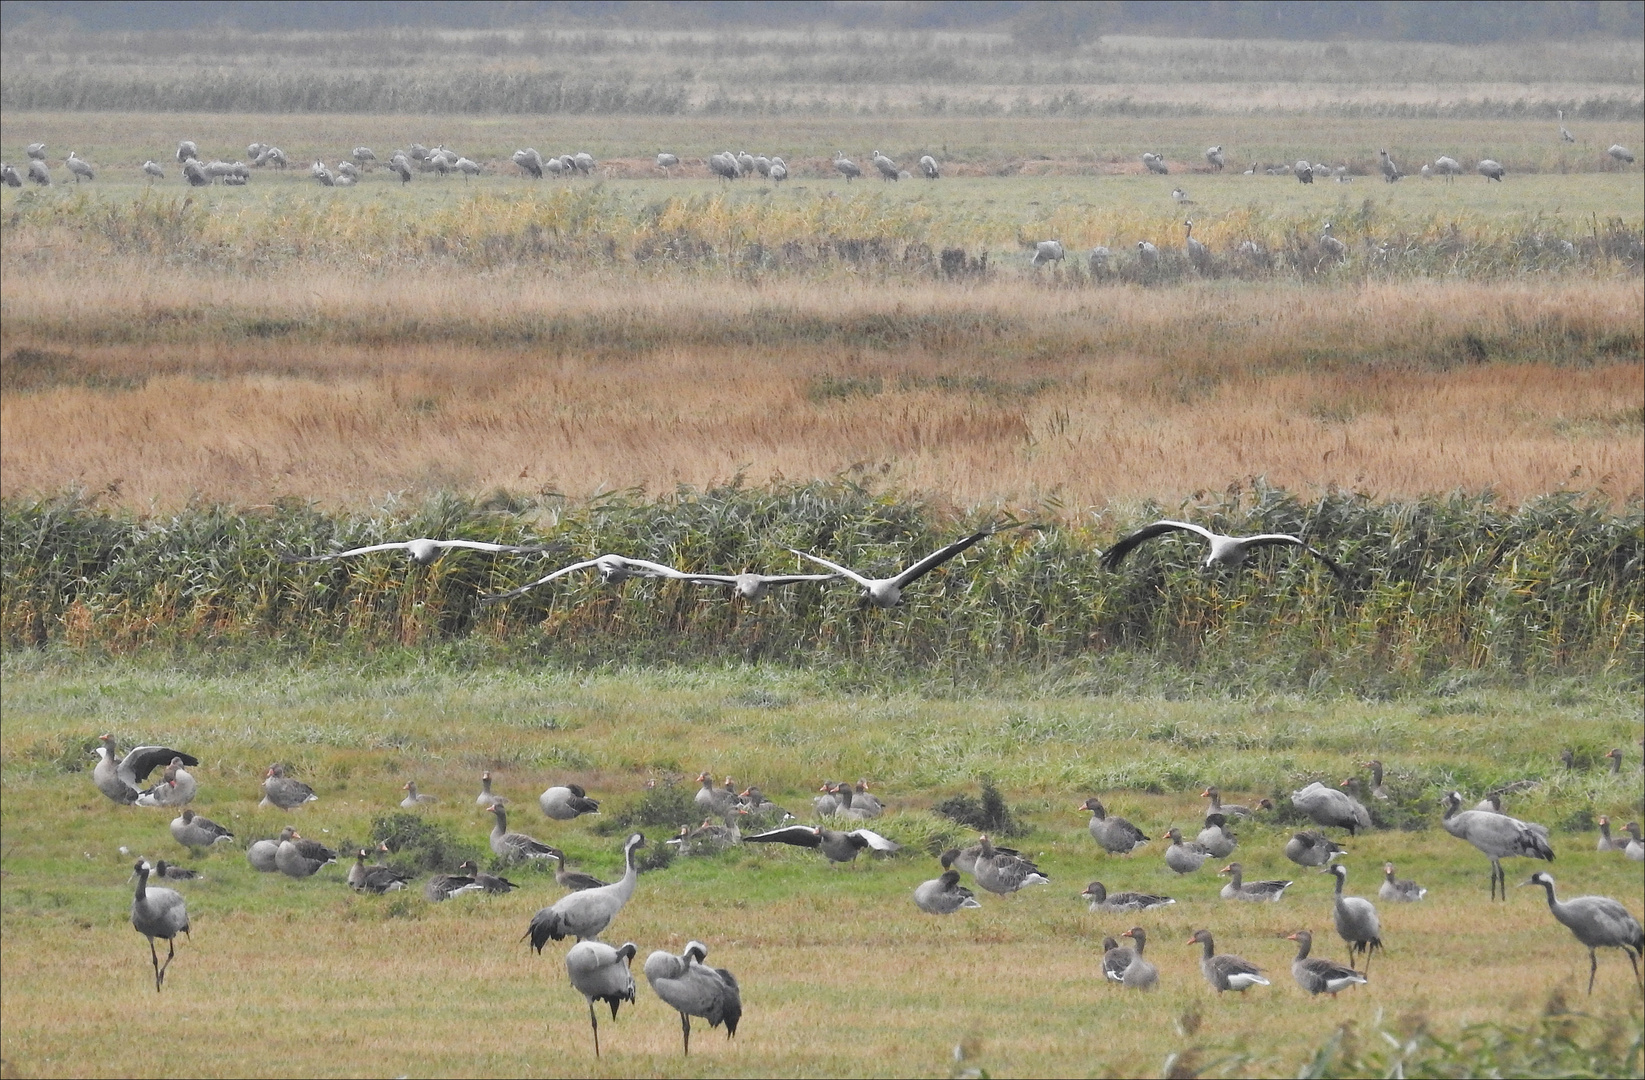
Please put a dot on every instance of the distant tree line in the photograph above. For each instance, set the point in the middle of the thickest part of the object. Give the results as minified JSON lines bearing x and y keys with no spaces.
{"x":1054,"y":24}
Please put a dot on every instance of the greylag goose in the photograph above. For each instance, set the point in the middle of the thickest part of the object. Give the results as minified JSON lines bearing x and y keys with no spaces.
{"x":712,"y":800}
{"x":1378,"y":789}
{"x":837,"y":846}
{"x":1318,"y":975}
{"x":695,"y":989}
{"x":1225,"y":971}
{"x":442,"y":887}
{"x":1356,"y":919}
{"x":491,"y":884}
{"x":1001,"y":873}
{"x":513,"y":845}
{"x":575,"y":880}
{"x":1113,"y":834}
{"x":1497,"y":835}
{"x":826,"y":803}
{"x":757,"y":806}
{"x":1229,"y":551}
{"x":850,"y":807}
{"x":300,"y":858}
{"x":944,"y":895}
{"x":118,"y":777}
{"x":1635,"y":847}
{"x":585,"y":914}
{"x":1332,"y":808}
{"x":1309,"y":848}
{"x":1605,"y":841}
{"x":1219,"y":807}
{"x":566,"y":801}
{"x":1103,"y":900}
{"x":176,"y":787}
{"x":1615,"y":756}
{"x":1183,"y":856}
{"x":1399,"y":890}
{"x":282,"y":791}
{"x":965,"y":859}
{"x":1215,"y":838}
{"x":421,"y":551}
{"x":413,"y":800}
{"x":262,"y":854}
{"x":158,"y":913}
{"x":601,"y":973}
{"x":1115,"y":959}
{"x":485,"y":798}
{"x":1598,"y":922}
{"x":1140,"y":975}
{"x":866,"y":800}
{"x":193,"y":831}
{"x":887,"y":592}
{"x":614,"y":570}
{"x":1240,"y":889}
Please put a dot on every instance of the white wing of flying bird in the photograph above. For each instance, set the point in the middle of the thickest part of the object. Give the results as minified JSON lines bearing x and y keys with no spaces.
{"x":614,"y":569}
{"x":421,"y":550}
{"x":887,"y":592}
{"x":1223,"y":551}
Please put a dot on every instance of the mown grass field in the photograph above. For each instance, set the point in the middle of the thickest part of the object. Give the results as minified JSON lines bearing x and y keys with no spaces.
{"x":841,"y":974}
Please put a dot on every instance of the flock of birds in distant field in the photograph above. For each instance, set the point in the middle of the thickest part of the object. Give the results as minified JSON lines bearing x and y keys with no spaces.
{"x":602,"y":973}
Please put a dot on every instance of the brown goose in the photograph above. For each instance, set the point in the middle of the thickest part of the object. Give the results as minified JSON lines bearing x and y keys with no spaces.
{"x":377,"y":879}
{"x":1215,"y":838}
{"x":1103,"y":900}
{"x":1000,"y":873}
{"x":1318,"y":975}
{"x":1635,"y":848}
{"x":829,"y":801}
{"x":575,"y":880}
{"x":488,"y":883}
{"x":513,"y":845}
{"x":300,"y":858}
{"x":1309,"y":848}
{"x":1183,"y":856}
{"x":862,"y":797}
{"x":167,"y":872}
{"x":282,"y":791}
{"x":1399,"y":890}
{"x":848,"y":807}
{"x":1115,"y":959}
{"x":1113,"y":834}
{"x":413,"y":800}
{"x":1225,"y":971}
{"x":1240,"y":889}
{"x":1141,"y":975}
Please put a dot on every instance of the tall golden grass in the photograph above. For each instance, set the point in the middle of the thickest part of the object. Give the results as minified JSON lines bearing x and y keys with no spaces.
{"x":341,"y":388}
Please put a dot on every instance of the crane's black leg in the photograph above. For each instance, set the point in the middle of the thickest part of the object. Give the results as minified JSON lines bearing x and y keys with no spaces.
{"x":171,"y":951}
{"x":685,"y":1028}
{"x":1632,"y":960}
{"x":1593,"y":969}
{"x":157,"y":973}
{"x":594,"y":1022}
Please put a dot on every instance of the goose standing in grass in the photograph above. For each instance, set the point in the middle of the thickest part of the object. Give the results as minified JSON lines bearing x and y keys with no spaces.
{"x":1001,"y":873}
{"x":1230,"y":551}
{"x":1139,"y":974}
{"x":1378,"y":789}
{"x":300,"y":858}
{"x":944,"y":895}
{"x":1103,"y":900}
{"x":485,"y":798}
{"x":413,"y":800}
{"x":1635,"y":847}
{"x":563,"y":802}
{"x":490,"y":884}
{"x":1598,"y":922}
{"x":614,"y":570}
{"x":1318,"y":975}
{"x":263,"y":855}
{"x":1356,"y":919}
{"x":195,"y":832}
{"x":1240,"y":889}
{"x":1215,"y":838}
{"x":1113,"y":834}
{"x":1225,"y":971}
{"x":513,"y":845}
{"x":694,"y":989}
{"x":421,"y":551}
{"x":575,"y":880}
{"x":601,"y":973}
{"x":1399,"y":890}
{"x":119,"y":777}
{"x":585,"y":914}
{"x":176,"y":787}
{"x":282,"y":791}
{"x":1332,"y":808}
{"x":442,"y":887}
{"x":753,"y":587}
{"x":1183,"y":856}
{"x":887,"y":592}
{"x":1220,"y":807}
{"x":158,"y":912}
{"x":1605,"y":841}
{"x":1497,"y":835}
{"x":838,"y":846}
{"x":1309,"y":848}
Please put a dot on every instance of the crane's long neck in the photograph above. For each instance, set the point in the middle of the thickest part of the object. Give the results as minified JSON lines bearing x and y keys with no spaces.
{"x":1342,"y":879}
{"x":143,"y":883}
{"x":1553,"y":905}
{"x":625,"y":887}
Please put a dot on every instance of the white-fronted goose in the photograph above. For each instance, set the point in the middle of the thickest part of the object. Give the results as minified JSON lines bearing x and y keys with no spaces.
{"x":167,"y":872}
{"x":158,"y":913}
{"x":1103,"y":900}
{"x":1140,"y":975}
{"x":1356,"y":919}
{"x":1183,"y":856}
{"x":421,"y":551}
{"x":513,"y":845}
{"x":1332,"y":808}
{"x":1605,"y":841}
{"x":1240,"y":889}
{"x":695,"y":989}
{"x":1309,"y":848}
{"x":119,"y":777}
{"x":586,"y":914}
{"x":262,"y":855}
{"x":944,"y":895}
{"x":838,"y":846}
{"x":442,"y":887}
{"x":566,"y":801}
{"x":1216,"y":838}
{"x":1220,"y":807}
{"x":490,"y":884}
{"x":1497,"y":835}
{"x":712,"y":800}
{"x":575,"y":880}
{"x":485,"y":798}
{"x":300,"y":858}
{"x":1598,"y":922}
{"x":375,"y":879}
{"x":601,"y":973}
{"x":1225,"y":971}
{"x":193,"y":831}
{"x":1001,"y":873}
{"x":176,"y":787}
{"x":887,"y":592}
{"x":413,"y":800}
{"x":1399,"y":890}
{"x":1229,"y":551}
{"x":1318,"y":975}
{"x":1115,"y":959}
{"x":282,"y":791}
{"x":614,"y":570}
{"x":829,"y":801}
{"x":1114,"y":835}
{"x":1378,"y":789}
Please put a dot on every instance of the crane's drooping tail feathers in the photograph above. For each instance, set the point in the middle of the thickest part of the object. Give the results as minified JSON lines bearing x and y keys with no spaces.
{"x":546,"y":924}
{"x":733,"y":1005}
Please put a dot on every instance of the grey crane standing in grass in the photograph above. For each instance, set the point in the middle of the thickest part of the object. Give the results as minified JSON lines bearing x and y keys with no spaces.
{"x":1115,"y":835}
{"x":1564,"y":136}
{"x":118,"y":777}
{"x":421,"y":551}
{"x":724,"y":165}
{"x":1154,"y":163}
{"x":1390,"y":171}
{"x":362,"y":155}
{"x":513,"y":845}
{"x":695,"y":989}
{"x":1491,"y":170}
{"x":1621,"y":153}
{"x":40,"y":173}
{"x":1598,"y":922}
{"x":887,"y":168}
{"x":847,"y":168}
{"x":280,"y":790}
{"x":1198,"y":253}
{"x":928,"y":167}
{"x":1356,"y":919}
{"x":1147,"y":253}
{"x":1332,"y":808}
{"x":614,"y":570}
{"x":1213,"y":156}
{"x":1225,"y":971}
{"x":563,"y":802}
{"x":1318,"y":975}
{"x":1497,"y":835}
{"x":78,"y":167}
{"x":36,"y":151}
{"x":887,"y":592}
{"x":838,"y":846}
{"x":586,"y":913}
{"x":944,"y":895}
{"x":601,"y":973}
{"x":401,"y":167}
{"x":1223,"y":550}
{"x":1448,"y":167}
{"x":158,"y":913}
{"x":1046,"y":251}
{"x":154,"y":171}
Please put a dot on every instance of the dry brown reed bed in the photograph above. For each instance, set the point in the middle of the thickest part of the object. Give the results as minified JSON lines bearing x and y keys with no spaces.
{"x":344,"y":388}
